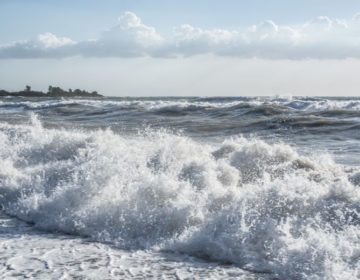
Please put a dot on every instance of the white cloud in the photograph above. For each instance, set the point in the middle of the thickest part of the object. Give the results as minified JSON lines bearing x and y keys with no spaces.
{"x":49,"y":40}
{"x":129,"y":38}
{"x":321,"y":38}
{"x":45,"y":45}
{"x":131,"y":29}
{"x":189,"y":40}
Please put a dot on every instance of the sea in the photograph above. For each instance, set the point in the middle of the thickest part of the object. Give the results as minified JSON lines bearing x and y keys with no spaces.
{"x":180,"y":188}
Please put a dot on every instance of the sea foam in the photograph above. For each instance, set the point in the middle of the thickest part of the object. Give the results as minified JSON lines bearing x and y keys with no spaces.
{"x":262,"y":207}
{"x":154,"y":104}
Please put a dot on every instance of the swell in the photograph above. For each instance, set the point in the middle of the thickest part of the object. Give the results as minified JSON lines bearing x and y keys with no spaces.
{"x":260,"y":206}
{"x":299,"y":104}
{"x":198,"y":116}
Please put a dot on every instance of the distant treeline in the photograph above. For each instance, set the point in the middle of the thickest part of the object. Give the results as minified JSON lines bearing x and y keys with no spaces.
{"x":52,"y":92}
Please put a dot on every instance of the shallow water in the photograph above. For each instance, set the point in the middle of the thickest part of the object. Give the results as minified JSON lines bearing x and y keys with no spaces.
{"x":269,"y":186}
{"x":30,"y":253}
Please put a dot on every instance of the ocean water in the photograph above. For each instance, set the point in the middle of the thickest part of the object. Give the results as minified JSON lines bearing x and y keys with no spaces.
{"x":180,"y":188}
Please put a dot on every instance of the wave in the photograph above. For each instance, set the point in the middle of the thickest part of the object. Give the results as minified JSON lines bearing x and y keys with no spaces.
{"x":263,"y":207}
{"x":154,"y":104}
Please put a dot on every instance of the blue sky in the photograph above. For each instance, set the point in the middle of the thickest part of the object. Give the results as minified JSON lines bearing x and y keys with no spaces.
{"x":165,"y":43}
{"x":82,"y":19}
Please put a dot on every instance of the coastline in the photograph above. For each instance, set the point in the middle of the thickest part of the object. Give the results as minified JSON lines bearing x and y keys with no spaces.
{"x":52,"y":92}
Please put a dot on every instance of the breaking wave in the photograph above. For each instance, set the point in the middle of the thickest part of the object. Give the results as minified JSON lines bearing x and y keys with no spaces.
{"x":153,"y":104}
{"x":263,"y":207}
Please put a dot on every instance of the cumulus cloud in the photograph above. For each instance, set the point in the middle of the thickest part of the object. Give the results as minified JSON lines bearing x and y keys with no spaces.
{"x":45,"y":45}
{"x":49,"y":40}
{"x":320,"y":38}
{"x":129,"y":38}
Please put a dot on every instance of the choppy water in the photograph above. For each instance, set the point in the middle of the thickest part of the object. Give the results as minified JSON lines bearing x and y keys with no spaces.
{"x":267,"y":185}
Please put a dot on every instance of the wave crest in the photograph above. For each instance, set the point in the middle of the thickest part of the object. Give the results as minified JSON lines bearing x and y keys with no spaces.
{"x":261,"y":206}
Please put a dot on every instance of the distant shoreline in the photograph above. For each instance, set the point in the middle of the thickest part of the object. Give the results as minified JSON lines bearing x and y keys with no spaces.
{"x":52,"y":92}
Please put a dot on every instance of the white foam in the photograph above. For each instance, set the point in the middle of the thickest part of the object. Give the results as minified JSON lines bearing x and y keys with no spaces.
{"x":292,"y":103}
{"x":263,"y":207}
{"x":30,"y":254}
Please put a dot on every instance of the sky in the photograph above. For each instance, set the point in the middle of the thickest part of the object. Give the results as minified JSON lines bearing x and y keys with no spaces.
{"x":182,"y":48}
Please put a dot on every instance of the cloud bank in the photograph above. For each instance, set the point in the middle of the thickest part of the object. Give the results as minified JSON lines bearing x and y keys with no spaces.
{"x":321,"y":38}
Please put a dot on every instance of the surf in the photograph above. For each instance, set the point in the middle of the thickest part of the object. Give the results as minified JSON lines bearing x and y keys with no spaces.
{"x":261,"y":206}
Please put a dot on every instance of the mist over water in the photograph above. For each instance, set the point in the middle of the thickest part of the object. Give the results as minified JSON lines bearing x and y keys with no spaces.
{"x":270,"y":185}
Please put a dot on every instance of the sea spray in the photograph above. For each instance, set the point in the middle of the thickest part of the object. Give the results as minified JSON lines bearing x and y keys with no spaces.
{"x":263,"y":207}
